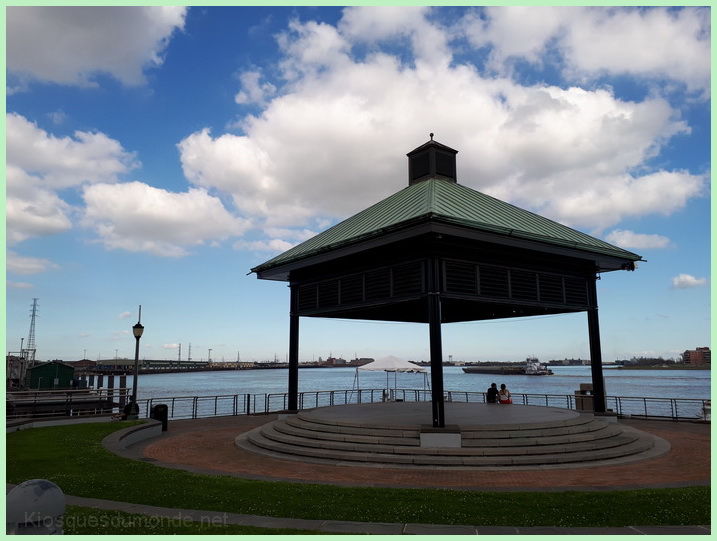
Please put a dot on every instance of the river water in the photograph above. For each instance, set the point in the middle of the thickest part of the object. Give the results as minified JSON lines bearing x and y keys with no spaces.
{"x":565,"y":381}
{"x":206,"y":394}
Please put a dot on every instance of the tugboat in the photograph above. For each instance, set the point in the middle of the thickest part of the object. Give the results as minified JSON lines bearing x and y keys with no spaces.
{"x":533,"y":367}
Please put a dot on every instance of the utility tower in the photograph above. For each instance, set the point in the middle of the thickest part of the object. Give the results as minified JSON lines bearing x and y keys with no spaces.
{"x":29,"y":351}
{"x":17,"y":364}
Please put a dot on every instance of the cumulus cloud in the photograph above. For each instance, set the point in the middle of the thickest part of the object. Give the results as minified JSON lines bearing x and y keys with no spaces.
{"x":686,"y":281}
{"x":344,"y":103}
{"x":273,"y":245}
{"x":254,"y":91}
{"x":71,"y":45}
{"x":35,"y":214}
{"x":631,"y":240}
{"x":136,"y":217}
{"x":124,"y":315}
{"x":61,"y":162}
{"x":653,"y":44}
{"x":130,"y":216}
{"x":38,"y":165}
{"x":333,"y":139}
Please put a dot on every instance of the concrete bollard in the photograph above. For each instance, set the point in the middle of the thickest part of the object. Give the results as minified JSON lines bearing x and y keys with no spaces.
{"x":34,"y":507}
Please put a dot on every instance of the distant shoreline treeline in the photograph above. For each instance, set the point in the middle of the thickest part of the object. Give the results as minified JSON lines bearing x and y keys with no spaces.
{"x":673,"y":367}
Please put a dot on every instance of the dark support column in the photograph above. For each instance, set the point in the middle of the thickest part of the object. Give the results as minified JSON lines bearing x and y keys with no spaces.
{"x":595,"y":350}
{"x":294,"y":351}
{"x":434,"y":327}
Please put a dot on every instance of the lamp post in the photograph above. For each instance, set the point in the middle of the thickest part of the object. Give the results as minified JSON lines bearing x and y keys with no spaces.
{"x":137,"y":330}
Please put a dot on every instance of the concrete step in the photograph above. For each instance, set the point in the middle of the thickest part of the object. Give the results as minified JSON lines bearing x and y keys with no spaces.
{"x":361,"y":426}
{"x":594,"y":429}
{"x":309,"y":430}
{"x":448,"y":457}
{"x":302,"y":423}
{"x":391,"y":434}
{"x":280,"y":431}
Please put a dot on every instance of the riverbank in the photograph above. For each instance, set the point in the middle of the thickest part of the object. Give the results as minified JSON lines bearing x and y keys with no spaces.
{"x":678,"y":367}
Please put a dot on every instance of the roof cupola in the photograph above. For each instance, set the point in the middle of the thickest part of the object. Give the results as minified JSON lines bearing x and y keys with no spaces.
{"x":432,"y":160}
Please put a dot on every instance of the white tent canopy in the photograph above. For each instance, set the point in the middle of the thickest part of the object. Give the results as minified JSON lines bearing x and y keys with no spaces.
{"x":392,"y":364}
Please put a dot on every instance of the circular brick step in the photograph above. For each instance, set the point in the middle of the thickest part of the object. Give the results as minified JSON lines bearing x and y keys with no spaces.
{"x":483,"y":437}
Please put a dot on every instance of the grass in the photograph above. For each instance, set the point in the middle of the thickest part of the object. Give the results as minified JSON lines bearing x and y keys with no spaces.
{"x":74,"y":458}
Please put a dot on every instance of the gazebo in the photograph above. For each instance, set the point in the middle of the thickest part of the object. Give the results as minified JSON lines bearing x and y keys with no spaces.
{"x":438,"y":252}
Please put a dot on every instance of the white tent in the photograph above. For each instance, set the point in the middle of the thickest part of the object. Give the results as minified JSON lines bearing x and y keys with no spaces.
{"x":390,"y":364}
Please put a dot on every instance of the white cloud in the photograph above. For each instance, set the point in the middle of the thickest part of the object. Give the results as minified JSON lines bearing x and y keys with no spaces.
{"x":514,"y":32}
{"x":62,"y":162}
{"x":70,"y":45}
{"x":124,"y":315}
{"x":253,"y":90}
{"x":273,"y":245}
{"x":375,"y":24}
{"x":137,"y":217}
{"x":333,"y":140}
{"x":17,"y":264}
{"x":39,"y":164}
{"x":170,"y":346}
{"x":657,"y":43}
{"x":686,"y":281}
{"x":37,"y":213}
{"x":132,"y":216}
{"x":631,"y":240}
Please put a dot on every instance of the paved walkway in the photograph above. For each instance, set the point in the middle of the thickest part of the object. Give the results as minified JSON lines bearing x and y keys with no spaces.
{"x":207,"y":446}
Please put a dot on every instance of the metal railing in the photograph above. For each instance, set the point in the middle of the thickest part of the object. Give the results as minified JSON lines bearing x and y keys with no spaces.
{"x":195,"y":407}
{"x":66,"y":402}
{"x":106,"y":401}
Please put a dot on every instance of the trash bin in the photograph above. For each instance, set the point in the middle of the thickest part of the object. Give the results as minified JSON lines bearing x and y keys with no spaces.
{"x":160,"y":412}
{"x":584,"y":398}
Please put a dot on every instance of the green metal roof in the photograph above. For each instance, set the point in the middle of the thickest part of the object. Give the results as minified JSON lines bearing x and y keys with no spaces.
{"x":451,"y":203}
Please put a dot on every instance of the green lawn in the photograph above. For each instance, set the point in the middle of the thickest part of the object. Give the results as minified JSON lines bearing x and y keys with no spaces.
{"x":74,"y":458}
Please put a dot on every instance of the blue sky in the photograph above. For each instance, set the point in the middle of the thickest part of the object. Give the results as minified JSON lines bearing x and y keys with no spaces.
{"x":154,"y":155}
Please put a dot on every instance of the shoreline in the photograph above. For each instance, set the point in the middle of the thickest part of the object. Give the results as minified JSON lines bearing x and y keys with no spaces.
{"x":664,"y":368}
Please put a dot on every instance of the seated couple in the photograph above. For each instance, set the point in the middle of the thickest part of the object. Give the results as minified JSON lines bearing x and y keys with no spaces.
{"x":493,"y":395}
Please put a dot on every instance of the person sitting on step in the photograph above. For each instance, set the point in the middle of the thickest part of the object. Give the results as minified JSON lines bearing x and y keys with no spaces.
{"x":491,"y":395}
{"x":504,"y":395}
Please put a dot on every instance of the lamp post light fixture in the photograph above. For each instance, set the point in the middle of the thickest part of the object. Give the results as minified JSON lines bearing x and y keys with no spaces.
{"x":137,"y":330}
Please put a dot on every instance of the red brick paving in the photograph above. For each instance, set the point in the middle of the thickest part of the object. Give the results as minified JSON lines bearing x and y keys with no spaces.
{"x":208,"y":444}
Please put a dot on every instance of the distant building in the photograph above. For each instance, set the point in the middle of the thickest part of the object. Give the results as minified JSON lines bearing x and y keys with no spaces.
{"x":50,"y":375}
{"x":697,"y":357}
{"x":84,"y":365}
{"x":569,"y":362}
